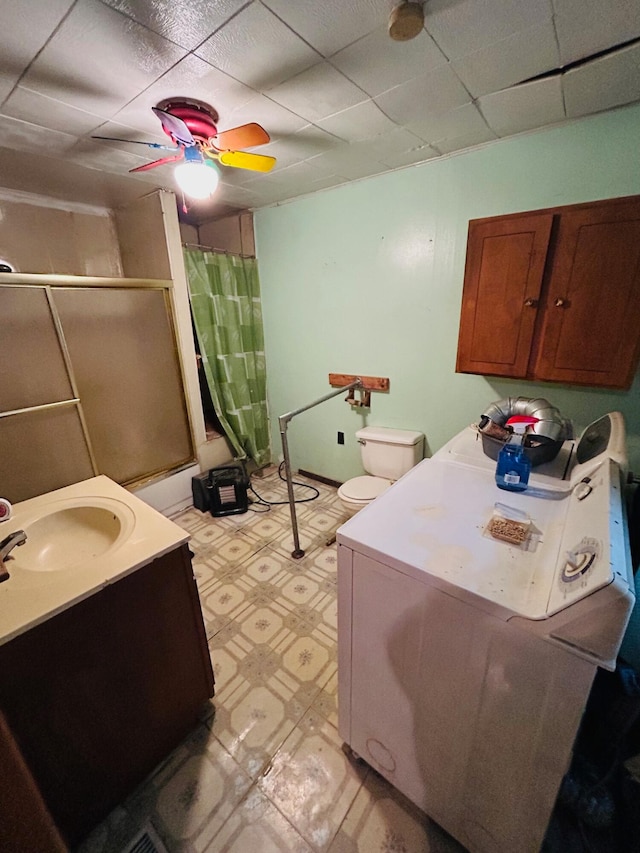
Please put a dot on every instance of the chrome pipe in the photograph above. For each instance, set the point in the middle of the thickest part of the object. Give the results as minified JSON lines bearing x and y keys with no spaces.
{"x":283,"y":420}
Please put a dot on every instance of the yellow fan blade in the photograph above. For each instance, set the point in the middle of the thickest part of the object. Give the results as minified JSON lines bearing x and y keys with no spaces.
{"x":246,"y":160}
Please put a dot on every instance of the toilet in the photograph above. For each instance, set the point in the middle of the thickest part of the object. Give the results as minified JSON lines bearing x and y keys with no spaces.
{"x":387,"y":454}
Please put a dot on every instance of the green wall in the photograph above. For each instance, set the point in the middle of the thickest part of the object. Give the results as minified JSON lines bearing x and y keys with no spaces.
{"x":367,"y":279}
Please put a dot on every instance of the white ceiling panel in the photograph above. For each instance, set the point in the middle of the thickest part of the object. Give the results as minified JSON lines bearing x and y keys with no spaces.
{"x":186,"y":23}
{"x":258,"y":49}
{"x":306,"y":143}
{"x":339,"y":98}
{"x":467,"y":26}
{"x":98,"y":60}
{"x":22,"y":136}
{"x":519,"y":57}
{"x":462,"y":121}
{"x":25,"y":28}
{"x":25,"y":104}
{"x":191,"y":77}
{"x":524,"y":107}
{"x":359,"y":122}
{"x":436,"y":92}
{"x":333,"y":24}
{"x":604,"y":83}
{"x":376,"y":63}
{"x":411,"y":157}
{"x":348,"y":162}
{"x":318,"y":93}
{"x":388,"y":146}
{"x":586,"y":27}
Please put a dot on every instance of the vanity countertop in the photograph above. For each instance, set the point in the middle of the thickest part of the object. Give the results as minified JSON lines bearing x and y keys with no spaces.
{"x":80,"y":539}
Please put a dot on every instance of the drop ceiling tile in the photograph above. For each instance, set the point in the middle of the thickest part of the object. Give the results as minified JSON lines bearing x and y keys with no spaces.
{"x":359,"y":122}
{"x":318,"y":93}
{"x":469,"y":25}
{"x":306,"y":143}
{"x":524,"y":107}
{"x":412,"y":157}
{"x":21,"y":135}
{"x":186,"y":23}
{"x":348,"y":162}
{"x":98,"y":60}
{"x":47,"y":112}
{"x":376,"y":63}
{"x":465,"y":140}
{"x":519,"y":57}
{"x":191,"y":77}
{"x":387,"y":146}
{"x":604,"y":83}
{"x":276,"y":120}
{"x":435,"y":92}
{"x":25,"y":28}
{"x":109,"y":157}
{"x":460,"y":121}
{"x":602,"y":24}
{"x":333,"y":24}
{"x":258,"y":49}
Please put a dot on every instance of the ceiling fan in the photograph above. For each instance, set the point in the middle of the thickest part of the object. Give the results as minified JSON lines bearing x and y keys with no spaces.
{"x":192,"y":128}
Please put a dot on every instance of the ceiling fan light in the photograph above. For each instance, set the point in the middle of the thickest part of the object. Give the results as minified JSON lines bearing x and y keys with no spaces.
{"x":197,"y":180}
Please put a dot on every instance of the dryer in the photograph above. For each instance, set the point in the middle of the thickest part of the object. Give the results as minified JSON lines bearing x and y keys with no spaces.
{"x":465,"y":661}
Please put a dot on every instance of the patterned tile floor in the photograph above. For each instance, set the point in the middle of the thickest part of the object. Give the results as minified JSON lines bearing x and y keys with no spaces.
{"x":265,"y":770}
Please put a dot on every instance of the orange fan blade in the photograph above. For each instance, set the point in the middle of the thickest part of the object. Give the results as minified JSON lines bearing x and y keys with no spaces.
{"x":245,"y":160}
{"x":244,"y":136}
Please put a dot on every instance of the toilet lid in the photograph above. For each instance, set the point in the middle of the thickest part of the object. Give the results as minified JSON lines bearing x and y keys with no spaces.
{"x":364,"y":488}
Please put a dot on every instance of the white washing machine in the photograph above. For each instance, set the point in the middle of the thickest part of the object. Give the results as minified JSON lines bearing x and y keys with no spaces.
{"x":465,"y":661}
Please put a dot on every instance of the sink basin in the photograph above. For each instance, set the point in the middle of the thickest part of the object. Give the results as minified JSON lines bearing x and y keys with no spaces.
{"x":71,"y":533}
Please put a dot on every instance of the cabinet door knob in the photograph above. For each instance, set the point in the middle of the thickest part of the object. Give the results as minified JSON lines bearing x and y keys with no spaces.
{"x":560,"y":302}
{"x":531,"y":303}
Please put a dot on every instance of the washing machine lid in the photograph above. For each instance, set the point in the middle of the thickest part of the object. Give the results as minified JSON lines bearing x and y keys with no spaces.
{"x":364,"y":488}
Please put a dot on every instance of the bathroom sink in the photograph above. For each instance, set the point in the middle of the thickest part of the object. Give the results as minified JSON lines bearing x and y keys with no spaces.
{"x":68,"y":533}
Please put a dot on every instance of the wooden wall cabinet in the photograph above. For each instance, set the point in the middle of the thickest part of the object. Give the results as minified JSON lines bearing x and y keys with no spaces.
{"x":554,"y":295}
{"x":98,"y":695}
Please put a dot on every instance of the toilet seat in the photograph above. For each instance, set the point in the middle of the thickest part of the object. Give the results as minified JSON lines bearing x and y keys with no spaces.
{"x":362,"y":490}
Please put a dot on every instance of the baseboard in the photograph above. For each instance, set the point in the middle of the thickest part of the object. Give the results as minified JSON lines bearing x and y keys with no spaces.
{"x":327,"y":482}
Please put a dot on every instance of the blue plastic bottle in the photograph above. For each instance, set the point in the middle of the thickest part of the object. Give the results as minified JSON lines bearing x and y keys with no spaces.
{"x":513,"y":469}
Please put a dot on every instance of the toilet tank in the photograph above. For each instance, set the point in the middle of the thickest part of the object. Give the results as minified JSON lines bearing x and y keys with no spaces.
{"x":389,"y":453}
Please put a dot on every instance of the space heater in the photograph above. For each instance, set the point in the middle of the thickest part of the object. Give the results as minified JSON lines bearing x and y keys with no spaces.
{"x":222,"y":490}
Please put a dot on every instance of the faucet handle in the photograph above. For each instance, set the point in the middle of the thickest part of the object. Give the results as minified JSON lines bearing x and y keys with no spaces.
{"x":5,"y":510}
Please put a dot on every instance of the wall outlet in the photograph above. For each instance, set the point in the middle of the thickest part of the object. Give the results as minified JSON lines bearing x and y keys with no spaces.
{"x":340,"y":437}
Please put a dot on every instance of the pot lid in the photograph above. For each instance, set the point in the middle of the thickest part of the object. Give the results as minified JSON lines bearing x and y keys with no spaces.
{"x":364,"y":488}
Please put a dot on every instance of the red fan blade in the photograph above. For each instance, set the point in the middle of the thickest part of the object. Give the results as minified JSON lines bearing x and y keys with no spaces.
{"x":160,"y":162}
{"x":175,"y":127}
{"x":244,"y":136}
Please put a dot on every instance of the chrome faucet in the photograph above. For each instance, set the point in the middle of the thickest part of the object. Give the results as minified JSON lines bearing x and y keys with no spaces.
{"x":18,"y":537}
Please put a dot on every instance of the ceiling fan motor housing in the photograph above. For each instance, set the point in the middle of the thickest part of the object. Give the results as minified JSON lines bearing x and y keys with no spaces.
{"x":199,"y":121}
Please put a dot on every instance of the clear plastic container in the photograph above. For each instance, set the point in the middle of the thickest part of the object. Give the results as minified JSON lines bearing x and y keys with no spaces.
{"x":509,"y":525}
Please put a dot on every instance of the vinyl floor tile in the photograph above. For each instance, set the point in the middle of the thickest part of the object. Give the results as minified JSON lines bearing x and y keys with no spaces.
{"x":265,"y":771}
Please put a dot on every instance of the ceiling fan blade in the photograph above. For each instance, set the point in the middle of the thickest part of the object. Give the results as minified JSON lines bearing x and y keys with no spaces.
{"x":244,"y":136}
{"x":160,"y":162}
{"x":175,"y":127}
{"x":135,"y":142}
{"x":245,"y":160}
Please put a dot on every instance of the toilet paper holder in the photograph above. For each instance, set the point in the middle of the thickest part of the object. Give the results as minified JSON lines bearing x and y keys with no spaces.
{"x":363,"y":402}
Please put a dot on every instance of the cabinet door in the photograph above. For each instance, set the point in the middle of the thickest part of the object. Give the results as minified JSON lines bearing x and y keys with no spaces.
{"x":503,"y":277}
{"x":101,"y":693}
{"x":592,"y":316}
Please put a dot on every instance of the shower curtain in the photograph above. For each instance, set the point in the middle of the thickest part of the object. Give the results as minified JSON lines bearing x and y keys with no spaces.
{"x":227,"y":315}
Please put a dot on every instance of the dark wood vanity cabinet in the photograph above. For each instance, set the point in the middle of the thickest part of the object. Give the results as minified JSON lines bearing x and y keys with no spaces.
{"x":98,"y":695}
{"x":554,"y":295}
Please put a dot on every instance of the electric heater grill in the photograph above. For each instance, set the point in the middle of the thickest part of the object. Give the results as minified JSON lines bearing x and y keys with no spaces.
{"x":222,"y":490}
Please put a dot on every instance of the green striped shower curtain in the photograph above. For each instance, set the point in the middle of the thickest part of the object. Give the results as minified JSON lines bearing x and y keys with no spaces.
{"x":227,"y":315}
